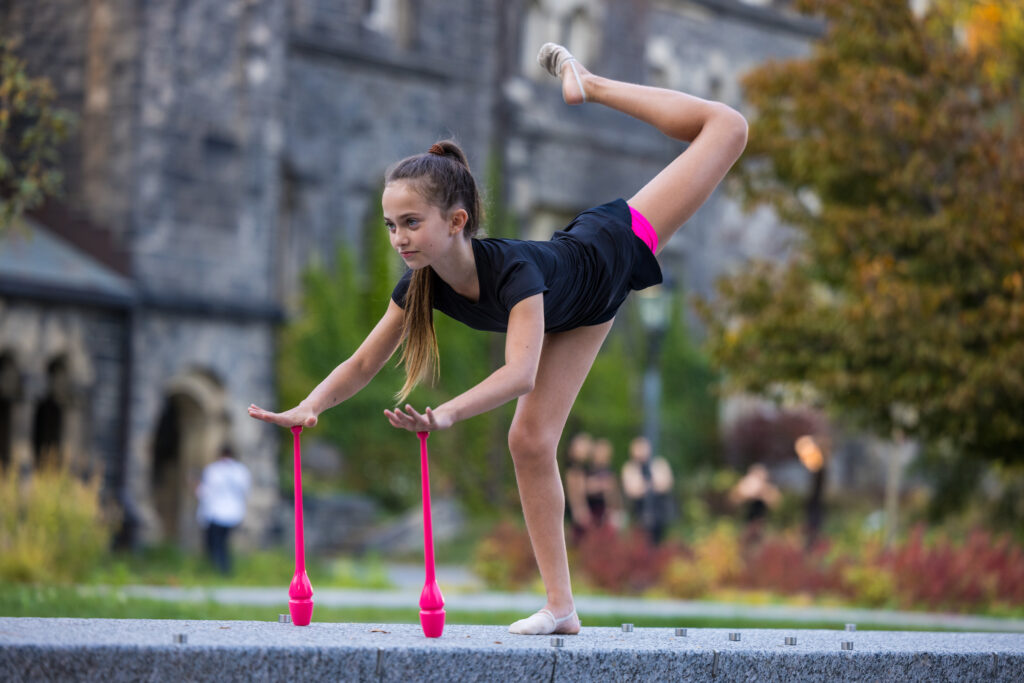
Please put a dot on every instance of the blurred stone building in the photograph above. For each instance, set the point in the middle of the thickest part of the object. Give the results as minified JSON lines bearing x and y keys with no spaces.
{"x":224,"y":144}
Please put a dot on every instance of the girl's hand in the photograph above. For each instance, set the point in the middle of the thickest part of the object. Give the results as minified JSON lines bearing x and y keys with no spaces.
{"x":429,"y":421}
{"x":300,"y":415}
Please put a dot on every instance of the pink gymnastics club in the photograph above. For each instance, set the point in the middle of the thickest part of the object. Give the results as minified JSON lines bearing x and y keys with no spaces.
{"x":300,"y":592}
{"x":431,"y":600}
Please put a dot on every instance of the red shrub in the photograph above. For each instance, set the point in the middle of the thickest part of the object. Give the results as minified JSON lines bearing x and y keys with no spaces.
{"x":780,"y":564}
{"x":621,"y":564}
{"x":964,"y":576}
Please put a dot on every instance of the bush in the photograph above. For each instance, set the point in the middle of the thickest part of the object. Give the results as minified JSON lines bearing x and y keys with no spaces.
{"x":780,"y":563}
{"x":504,"y":558}
{"x":714,"y":561}
{"x":621,"y":563}
{"x":53,"y":528}
{"x":976,"y":573}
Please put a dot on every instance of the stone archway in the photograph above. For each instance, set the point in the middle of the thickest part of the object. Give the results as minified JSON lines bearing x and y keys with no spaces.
{"x":190,"y":428}
{"x":10,"y":392}
{"x":48,"y":423}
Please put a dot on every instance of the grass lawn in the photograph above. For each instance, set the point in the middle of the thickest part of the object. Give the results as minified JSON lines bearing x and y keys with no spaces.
{"x":54,"y":601}
{"x":170,"y":566}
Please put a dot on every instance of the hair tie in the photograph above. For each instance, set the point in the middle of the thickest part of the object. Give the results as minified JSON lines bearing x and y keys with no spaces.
{"x":437,"y":149}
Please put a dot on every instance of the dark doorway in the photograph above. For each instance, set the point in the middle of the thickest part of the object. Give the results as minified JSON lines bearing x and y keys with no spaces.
{"x":48,"y":425}
{"x":167,"y":468}
{"x":10,"y":389}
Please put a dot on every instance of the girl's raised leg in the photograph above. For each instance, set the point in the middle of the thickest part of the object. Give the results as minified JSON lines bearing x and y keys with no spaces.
{"x":533,"y":440}
{"x":717,"y":135}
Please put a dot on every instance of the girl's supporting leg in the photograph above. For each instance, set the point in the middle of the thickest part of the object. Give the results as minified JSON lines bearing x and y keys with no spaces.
{"x":717,"y":135}
{"x":533,"y":440}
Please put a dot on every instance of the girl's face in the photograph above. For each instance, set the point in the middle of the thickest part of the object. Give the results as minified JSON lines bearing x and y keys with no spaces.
{"x":419,"y":231}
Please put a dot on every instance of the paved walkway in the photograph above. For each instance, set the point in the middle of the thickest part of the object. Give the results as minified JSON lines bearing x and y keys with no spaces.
{"x":460,"y":596}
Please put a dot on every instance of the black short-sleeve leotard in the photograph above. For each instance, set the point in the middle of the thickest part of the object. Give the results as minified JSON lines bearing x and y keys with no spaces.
{"x":584,"y":271}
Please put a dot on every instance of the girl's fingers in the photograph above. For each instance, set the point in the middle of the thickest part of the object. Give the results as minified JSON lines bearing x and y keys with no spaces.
{"x":397,"y":419}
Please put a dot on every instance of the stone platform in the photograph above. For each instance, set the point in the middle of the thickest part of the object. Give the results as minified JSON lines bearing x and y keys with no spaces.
{"x":108,"y":650}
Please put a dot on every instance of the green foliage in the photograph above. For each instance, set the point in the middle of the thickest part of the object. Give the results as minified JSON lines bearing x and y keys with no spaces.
{"x":52,"y":526}
{"x":900,"y":165}
{"x":31,"y":129}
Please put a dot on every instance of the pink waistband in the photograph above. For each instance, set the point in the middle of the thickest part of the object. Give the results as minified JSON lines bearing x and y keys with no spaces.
{"x":642,"y":228}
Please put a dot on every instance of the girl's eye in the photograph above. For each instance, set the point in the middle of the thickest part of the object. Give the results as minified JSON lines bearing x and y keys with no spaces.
{"x":390,"y":227}
{"x":413,"y":222}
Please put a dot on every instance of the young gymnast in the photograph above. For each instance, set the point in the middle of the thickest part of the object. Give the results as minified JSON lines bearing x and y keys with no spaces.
{"x":555,"y":300}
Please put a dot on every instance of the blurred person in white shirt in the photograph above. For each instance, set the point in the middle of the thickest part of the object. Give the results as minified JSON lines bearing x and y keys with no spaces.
{"x":222,"y":493}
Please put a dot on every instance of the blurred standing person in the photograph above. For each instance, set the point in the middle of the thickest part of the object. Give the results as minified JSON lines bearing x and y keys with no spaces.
{"x":222,"y":494}
{"x":581,"y":447}
{"x":648,"y":484}
{"x":755,"y":493}
{"x":603,"y":498}
{"x":812,"y":454}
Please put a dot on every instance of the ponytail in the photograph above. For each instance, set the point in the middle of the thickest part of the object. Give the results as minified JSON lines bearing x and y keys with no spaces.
{"x":443,"y":177}
{"x":419,"y":353}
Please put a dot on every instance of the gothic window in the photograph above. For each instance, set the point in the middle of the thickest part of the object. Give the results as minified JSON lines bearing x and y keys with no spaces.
{"x":573,"y":23}
{"x":392,"y":18}
{"x":581,"y":33}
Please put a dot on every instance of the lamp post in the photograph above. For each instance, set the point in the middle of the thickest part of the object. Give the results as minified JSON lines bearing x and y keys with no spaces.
{"x":654,"y":314}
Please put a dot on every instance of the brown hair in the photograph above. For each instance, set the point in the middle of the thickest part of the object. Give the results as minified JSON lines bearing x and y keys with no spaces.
{"x":441,"y":175}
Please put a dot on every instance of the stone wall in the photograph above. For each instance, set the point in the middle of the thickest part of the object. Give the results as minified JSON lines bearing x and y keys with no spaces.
{"x":221,"y":367}
{"x":87,"y":342}
{"x":206,"y":185}
{"x":365,"y":89}
{"x":226,"y":144}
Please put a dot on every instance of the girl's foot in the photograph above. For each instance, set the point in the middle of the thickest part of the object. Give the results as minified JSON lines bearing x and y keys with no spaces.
{"x":544,"y":622}
{"x":555,"y":58}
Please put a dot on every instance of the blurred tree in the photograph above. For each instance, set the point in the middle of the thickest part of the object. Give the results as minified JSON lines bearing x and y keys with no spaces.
{"x":896,"y":153}
{"x":31,"y":129}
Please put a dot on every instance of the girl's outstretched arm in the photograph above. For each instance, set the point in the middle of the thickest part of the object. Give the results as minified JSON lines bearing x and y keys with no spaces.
{"x":348,"y":378}
{"x":516,"y":377}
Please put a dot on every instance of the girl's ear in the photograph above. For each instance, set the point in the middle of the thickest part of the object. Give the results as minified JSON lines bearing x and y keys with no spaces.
{"x":457,"y":221}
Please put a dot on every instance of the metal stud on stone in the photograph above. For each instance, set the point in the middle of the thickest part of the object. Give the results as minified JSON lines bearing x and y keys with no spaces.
{"x":628,"y":628}
{"x":557,"y":641}
{"x":790,"y":640}
{"x":180,"y":638}
{"x":680,"y":631}
{"x":734,"y":636}
{"x":284,"y":618}
{"x":851,"y":627}
{"x":847,"y":644}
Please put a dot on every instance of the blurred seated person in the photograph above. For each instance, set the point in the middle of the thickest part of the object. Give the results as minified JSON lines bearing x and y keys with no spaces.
{"x":581,"y":447}
{"x":648,"y":482}
{"x":604,"y":501}
{"x":755,"y":493}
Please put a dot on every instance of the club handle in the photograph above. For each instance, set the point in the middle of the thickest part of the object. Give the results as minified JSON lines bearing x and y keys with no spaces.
{"x":428,"y":533}
{"x":300,"y":547}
